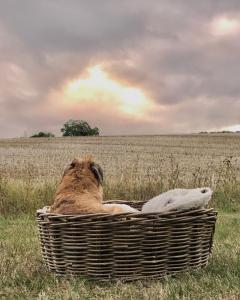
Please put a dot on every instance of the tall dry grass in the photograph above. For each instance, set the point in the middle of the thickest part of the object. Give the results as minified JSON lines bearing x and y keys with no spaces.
{"x":134,"y":167}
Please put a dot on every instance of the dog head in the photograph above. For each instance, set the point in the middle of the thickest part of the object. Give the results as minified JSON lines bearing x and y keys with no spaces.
{"x":86,"y":168}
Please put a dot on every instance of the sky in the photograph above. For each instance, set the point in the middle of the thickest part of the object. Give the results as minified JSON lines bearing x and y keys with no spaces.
{"x":127,"y":67}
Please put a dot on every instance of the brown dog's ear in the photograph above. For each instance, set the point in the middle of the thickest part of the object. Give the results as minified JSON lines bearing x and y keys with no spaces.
{"x":74,"y":163}
{"x":71,"y":165}
{"x":97,"y":171}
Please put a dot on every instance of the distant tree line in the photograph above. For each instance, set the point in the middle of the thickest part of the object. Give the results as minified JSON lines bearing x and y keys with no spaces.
{"x":72,"y":128}
{"x":214,"y":132}
{"x":42,"y":134}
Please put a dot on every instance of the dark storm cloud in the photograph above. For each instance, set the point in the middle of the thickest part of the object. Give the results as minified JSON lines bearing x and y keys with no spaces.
{"x":166,"y":48}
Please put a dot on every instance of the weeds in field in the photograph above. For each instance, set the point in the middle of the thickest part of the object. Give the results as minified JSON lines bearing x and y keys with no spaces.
{"x":135,"y":168}
{"x":25,"y":196}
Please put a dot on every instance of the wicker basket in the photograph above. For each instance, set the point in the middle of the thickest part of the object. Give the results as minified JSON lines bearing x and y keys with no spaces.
{"x":128,"y":246}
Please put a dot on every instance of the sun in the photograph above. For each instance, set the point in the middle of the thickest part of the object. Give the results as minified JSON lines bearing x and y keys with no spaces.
{"x":98,"y":87}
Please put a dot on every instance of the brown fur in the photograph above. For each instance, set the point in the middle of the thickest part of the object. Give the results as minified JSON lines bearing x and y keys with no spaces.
{"x":80,"y":190}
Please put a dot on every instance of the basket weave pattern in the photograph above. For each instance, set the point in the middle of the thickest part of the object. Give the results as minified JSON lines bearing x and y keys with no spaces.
{"x":128,"y":246}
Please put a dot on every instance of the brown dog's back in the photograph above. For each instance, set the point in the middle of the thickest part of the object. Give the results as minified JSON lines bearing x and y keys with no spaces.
{"x":80,"y":191}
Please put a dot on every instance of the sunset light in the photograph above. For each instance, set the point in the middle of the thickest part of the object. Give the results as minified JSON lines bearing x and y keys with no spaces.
{"x":97,"y":86}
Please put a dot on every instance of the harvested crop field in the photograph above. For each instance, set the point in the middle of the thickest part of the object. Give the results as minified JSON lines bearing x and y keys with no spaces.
{"x":136,"y":167}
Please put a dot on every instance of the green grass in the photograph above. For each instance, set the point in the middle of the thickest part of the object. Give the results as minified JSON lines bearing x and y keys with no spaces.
{"x":23,"y":275}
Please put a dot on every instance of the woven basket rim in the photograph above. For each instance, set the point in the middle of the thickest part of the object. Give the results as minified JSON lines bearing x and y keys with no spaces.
{"x":182,"y":212}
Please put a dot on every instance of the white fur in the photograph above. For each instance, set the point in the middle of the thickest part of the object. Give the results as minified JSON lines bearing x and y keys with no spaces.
{"x":126,"y":208}
{"x":178,"y":199}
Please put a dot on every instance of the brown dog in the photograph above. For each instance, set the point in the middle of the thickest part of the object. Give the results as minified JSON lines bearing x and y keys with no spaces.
{"x":80,"y":190}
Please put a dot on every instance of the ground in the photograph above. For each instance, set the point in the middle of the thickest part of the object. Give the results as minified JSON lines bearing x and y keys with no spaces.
{"x":23,"y":275}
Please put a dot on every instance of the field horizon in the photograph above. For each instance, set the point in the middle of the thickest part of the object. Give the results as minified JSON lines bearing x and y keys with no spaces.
{"x":210,"y":133}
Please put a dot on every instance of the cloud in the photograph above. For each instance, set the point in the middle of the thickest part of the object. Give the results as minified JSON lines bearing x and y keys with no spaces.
{"x":182,"y":55}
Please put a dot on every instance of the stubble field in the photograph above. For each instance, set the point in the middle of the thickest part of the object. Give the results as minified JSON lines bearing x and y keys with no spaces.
{"x":136,"y":167}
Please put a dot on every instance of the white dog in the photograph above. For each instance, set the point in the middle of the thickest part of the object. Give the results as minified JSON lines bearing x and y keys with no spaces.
{"x":178,"y":199}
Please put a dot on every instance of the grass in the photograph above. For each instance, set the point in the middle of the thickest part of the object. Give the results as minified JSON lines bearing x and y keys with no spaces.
{"x":18,"y":197}
{"x":135,"y":168}
{"x":24,"y":277}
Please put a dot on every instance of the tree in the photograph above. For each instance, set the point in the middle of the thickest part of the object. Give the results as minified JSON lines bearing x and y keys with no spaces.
{"x":78,"y":128}
{"x":42,"y":134}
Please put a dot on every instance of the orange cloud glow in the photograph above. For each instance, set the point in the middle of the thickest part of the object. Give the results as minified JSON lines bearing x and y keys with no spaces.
{"x":98,"y":88}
